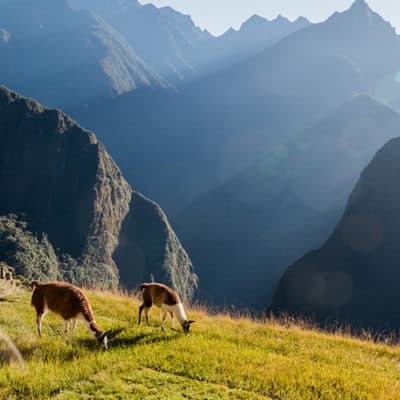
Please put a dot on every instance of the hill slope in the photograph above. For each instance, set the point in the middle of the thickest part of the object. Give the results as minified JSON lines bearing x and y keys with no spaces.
{"x":222,"y":358}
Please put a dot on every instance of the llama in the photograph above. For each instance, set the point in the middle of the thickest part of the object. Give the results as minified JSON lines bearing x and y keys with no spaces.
{"x":168,"y":300}
{"x":70,"y":303}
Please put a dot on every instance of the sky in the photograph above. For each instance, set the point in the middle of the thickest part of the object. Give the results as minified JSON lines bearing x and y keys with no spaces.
{"x":217,"y":16}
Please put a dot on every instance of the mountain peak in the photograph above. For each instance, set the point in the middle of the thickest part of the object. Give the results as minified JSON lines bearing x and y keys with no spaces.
{"x":280,"y":18}
{"x":360,"y":14}
{"x":302,"y":20}
{"x":360,"y":8}
{"x":254,"y":20}
{"x":360,"y":5}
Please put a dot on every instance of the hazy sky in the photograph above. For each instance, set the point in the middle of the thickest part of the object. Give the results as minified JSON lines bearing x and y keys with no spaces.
{"x":219,"y":15}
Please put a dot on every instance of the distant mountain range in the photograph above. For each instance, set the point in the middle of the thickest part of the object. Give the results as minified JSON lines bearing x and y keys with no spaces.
{"x":255,"y":35}
{"x":80,"y":51}
{"x":219,"y":125}
{"x":175,"y":47}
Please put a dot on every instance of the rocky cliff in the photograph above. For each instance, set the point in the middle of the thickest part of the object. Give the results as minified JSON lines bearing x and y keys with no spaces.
{"x":58,"y":178}
{"x":149,"y":248}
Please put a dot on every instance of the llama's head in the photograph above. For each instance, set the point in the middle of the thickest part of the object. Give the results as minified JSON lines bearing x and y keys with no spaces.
{"x":102,"y":339}
{"x":186,"y":325}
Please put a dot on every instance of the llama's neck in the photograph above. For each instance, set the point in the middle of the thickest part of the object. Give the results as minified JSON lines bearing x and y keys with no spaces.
{"x":93,"y":328}
{"x":179,"y":313}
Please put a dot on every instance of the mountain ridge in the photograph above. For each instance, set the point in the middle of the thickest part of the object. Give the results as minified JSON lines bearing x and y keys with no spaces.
{"x":73,"y":56}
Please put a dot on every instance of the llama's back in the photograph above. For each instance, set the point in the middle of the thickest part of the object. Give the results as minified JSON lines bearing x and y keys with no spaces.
{"x":159,"y":294}
{"x":63,"y":299}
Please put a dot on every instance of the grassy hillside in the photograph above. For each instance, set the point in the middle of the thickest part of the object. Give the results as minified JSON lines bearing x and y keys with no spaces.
{"x":223,"y":358}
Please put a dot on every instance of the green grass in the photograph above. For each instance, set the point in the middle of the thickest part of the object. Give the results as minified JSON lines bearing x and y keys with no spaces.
{"x":222,"y":358}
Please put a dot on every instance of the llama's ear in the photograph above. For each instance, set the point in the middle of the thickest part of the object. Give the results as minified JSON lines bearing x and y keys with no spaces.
{"x":191,"y":322}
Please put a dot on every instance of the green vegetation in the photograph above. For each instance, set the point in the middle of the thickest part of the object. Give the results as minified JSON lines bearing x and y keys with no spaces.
{"x":30,"y":255}
{"x":223,"y":358}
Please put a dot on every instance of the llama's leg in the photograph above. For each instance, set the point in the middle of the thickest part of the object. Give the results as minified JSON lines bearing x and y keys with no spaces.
{"x":172,"y":319}
{"x":39,"y":319}
{"x":146,"y":313}
{"x":65,"y":329}
{"x":73,"y":327}
{"x":140,"y":313}
{"x":164,"y":317}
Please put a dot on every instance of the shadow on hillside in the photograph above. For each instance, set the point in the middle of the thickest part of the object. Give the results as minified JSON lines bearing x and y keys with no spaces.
{"x":142,"y":338}
{"x":125,"y":341}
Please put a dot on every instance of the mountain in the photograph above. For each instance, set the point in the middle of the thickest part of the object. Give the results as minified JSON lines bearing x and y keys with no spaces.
{"x":62,"y":186}
{"x":214,"y":128}
{"x":64,"y":57}
{"x":167,"y":40}
{"x":255,"y":35}
{"x":353,"y":276}
{"x":250,"y":228}
{"x":175,"y":47}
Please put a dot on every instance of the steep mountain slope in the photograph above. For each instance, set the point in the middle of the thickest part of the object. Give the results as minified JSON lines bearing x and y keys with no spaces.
{"x":64,"y":181}
{"x":166,"y":39}
{"x":354,"y":276}
{"x":64,"y":57}
{"x":60,"y":179}
{"x":148,"y":247}
{"x":249,"y":229}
